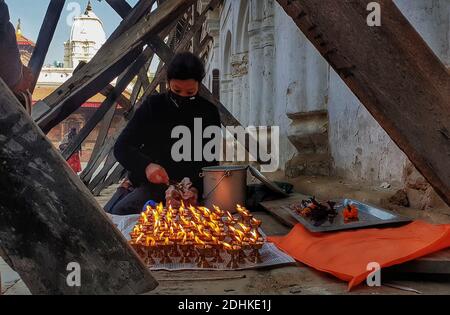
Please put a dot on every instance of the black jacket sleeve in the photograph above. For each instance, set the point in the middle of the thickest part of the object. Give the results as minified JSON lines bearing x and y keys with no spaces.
{"x":128,"y":146}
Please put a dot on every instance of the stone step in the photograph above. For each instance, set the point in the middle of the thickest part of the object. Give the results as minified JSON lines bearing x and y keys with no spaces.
{"x":308,"y":132}
{"x":327,"y":188}
{"x":309,"y":164}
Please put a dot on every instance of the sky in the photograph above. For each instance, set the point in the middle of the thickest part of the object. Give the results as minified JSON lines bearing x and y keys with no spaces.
{"x":32,"y":12}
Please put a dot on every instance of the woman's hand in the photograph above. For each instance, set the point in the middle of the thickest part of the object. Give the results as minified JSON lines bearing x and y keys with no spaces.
{"x":156,"y":174}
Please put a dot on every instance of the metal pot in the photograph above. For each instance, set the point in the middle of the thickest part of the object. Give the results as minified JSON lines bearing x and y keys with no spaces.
{"x":225,"y":186}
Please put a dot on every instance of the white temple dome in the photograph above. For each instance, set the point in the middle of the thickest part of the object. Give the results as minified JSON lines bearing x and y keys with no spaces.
{"x":88,"y":28}
{"x":86,"y":37}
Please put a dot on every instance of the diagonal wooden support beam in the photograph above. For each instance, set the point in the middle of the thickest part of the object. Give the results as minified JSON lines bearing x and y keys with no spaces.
{"x":122,"y":100}
{"x":112,"y":179}
{"x":102,"y":175}
{"x":45,"y":38}
{"x":88,"y":172}
{"x":122,"y":83}
{"x":109,"y":144}
{"x":393,"y":73}
{"x":121,"y":7}
{"x":111,"y":60}
{"x":49,"y":220}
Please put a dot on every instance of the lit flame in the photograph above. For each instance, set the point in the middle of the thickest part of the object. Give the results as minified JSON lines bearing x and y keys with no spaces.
{"x":138,"y":240}
{"x":218,"y":211}
{"x":255,"y":235}
{"x":227,"y":246}
{"x":144,"y":217}
{"x":150,"y":241}
{"x":245,"y":228}
{"x":198,"y":241}
{"x":207,"y":235}
{"x":256,"y":222}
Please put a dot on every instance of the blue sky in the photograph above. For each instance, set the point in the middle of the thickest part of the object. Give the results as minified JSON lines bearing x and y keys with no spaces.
{"x":32,"y":12}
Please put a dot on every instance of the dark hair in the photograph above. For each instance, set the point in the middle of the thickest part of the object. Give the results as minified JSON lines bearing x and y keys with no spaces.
{"x":186,"y":66}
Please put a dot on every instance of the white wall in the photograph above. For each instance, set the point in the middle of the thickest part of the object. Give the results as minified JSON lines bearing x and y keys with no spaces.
{"x":360,"y":147}
{"x":299,"y":80}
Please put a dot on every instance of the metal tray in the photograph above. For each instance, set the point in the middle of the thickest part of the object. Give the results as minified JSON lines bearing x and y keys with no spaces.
{"x":369,"y":216}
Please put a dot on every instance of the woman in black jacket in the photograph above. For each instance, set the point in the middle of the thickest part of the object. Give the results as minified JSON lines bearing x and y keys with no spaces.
{"x":144,"y":148}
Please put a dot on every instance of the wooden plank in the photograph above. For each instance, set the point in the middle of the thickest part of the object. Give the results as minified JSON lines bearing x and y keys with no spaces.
{"x":122,"y":83}
{"x":88,"y":172}
{"x":42,"y":108}
{"x":101,"y":176}
{"x":124,"y":9}
{"x":48,"y":218}
{"x":105,"y":125}
{"x":112,"y":179}
{"x":121,"y":7}
{"x":402,"y":83}
{"x":438,"y":263}
{"x":45,"y":37}
{"x":122,"y":100}
{"x":111,"y":60}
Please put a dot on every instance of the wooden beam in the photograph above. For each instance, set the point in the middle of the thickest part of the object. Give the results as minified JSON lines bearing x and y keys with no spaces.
{"x":111,"y":60}
{"x":88,"y":172}
{"x":101,"y":176}
{"x":122,"y":100}
{"x":112,"y":179}
{"x":121,"y":7}
{"x":104,"y":128}
{"x":45,"y":37}
{"x":106,"y":149}
{"x":49,"y":220}
{"x":392,"y":71}
{"x":122,"y":83}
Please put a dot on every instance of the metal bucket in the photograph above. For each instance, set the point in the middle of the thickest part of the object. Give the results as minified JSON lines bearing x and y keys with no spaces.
{"x":225,"y":186}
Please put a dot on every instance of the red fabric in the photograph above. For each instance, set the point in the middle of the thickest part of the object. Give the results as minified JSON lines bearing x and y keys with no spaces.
{"x":75,"y":163}
{"x":346,"y":255}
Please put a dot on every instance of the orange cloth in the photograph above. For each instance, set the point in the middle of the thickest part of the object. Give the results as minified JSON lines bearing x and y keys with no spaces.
{"x":347,"y":254}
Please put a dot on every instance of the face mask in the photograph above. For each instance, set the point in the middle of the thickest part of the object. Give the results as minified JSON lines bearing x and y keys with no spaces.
{"x":181,"y":101}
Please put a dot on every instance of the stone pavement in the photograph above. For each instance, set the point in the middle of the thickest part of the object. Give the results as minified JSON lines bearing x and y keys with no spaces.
{"x":289,"y":280}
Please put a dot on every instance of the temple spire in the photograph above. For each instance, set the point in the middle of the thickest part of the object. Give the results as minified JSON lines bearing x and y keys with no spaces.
{"x":88,"y":7}
{"x":19,"y":28}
